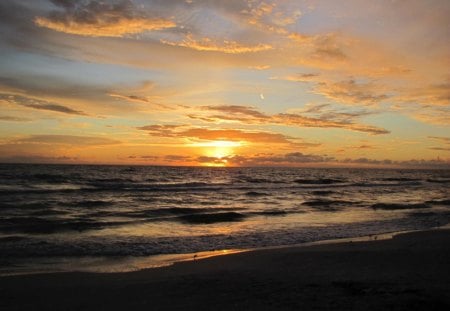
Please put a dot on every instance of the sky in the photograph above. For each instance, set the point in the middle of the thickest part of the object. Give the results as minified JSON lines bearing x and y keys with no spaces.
{"x":226,"y":83}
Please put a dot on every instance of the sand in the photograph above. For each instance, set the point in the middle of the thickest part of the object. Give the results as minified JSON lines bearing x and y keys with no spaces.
{"x":409,"y":272}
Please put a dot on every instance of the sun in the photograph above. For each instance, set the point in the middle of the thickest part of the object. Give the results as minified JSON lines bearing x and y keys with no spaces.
{"x":219,"y":150}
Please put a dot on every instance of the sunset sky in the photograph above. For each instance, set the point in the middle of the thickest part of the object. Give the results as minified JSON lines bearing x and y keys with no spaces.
{"x":226,"y":83}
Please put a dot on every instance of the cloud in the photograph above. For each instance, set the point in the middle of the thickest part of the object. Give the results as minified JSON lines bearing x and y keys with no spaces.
{"x":259,"y":67}
{"x":270,"y":17}
{"x":66,"y":140}
{"x":38,"y":104}
{"x":301,"y":159}
{"x":235,"y":135}
{"x":226,"y":46}
{"x":433,"y":94}
{"x":38,"y":159}
{"x":350,"y":92}
{"x":14,"y":119}
{"x":440,"y":148}
{"x":148,"y":100}
{"x":445,"y":140}
{"x":100,"y":19}
{"x":244,"y":111}
{"x":144,"y":157}
{"x":288,"y":159}
{"x":364,"y":147}
{"x":162,"y":130}
{"x":205,"y":134}
{"x":322,"y":48}
{"x":320,"y":119}
{"x":437,"y":115}
{"x":177,"y":158}
{"x":302,"y":77}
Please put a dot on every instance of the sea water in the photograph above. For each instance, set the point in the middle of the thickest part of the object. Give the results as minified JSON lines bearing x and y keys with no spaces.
{"x":120,"y":218}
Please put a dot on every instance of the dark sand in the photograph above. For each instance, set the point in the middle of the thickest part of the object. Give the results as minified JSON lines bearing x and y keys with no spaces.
{"x":409,"y":272}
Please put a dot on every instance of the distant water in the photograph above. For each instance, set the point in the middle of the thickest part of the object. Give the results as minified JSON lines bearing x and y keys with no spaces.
{"x":66,"y":213}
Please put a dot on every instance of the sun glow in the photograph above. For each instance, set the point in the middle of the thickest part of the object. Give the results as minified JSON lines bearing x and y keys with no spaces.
{"x":218,"y":150}
{"x":221,"y":149}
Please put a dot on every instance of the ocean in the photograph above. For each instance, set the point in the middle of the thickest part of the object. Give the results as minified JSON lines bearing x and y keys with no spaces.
{"x":123,"y":218}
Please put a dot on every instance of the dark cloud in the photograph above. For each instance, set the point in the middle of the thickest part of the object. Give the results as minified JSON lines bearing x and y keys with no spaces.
{"x":436,"y":163}
{"x":237,"y":110}
{"x":39,"y":104}
{"x":18,"y":31}
{"x":162,"y":130}
{"x":141,"y":99}
{"x":177,"y":158}
{"x":144,"y":157}
{"x":67,"y":4}
{"x":287,"y":159}
{"x":100,"y":19}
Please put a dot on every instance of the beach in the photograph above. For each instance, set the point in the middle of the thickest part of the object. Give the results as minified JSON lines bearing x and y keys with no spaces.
{"x":411,"y":271}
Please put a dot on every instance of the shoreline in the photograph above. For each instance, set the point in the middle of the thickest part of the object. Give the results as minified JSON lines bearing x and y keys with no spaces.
{"x":104,"y":265}
{"x":409,"y":271}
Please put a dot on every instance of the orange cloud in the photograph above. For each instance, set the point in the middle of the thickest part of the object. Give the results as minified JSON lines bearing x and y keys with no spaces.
{"x":104,"y":28}
{"x":197,"y":133}
{"x":352,"y":93}
{"x":100,"y":19}
{"x":327,"y":119}
{"x":229,"y":47}
{"x":434,"y":94}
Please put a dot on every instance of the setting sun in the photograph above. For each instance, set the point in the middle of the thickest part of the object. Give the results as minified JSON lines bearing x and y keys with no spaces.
{"x":221,"y":149}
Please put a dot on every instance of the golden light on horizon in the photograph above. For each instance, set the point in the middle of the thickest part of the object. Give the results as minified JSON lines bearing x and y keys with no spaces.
{"x":218,"y":148}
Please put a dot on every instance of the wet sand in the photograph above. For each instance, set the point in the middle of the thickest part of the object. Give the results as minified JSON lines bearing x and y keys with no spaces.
{"x":409,"y":272}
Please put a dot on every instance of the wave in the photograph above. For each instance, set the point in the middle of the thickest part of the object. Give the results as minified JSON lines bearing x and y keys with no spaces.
{"x":256,"y":194}
{"x":86,"y":203}
{"x":327,"y":202}
{"x":399,"y":206}
{"x":157,"y":214}
{"x":153,"y":187}
{"x":439,"y":181}
{"x":400,"y":179}
{"x":212,"y":218}
{"x":48,"y":226}
{"x":108,"y":246}
{"x":319,"y":181}
{"x":444,"y":202}
{"x":24,"y":206}
{"x":271,"y":213}
{"x":327,"y":205}
{"x":375,"y":184}
{"x":256,"y":180}
{"x":50,"y":178}
{"x":322,"y":192}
